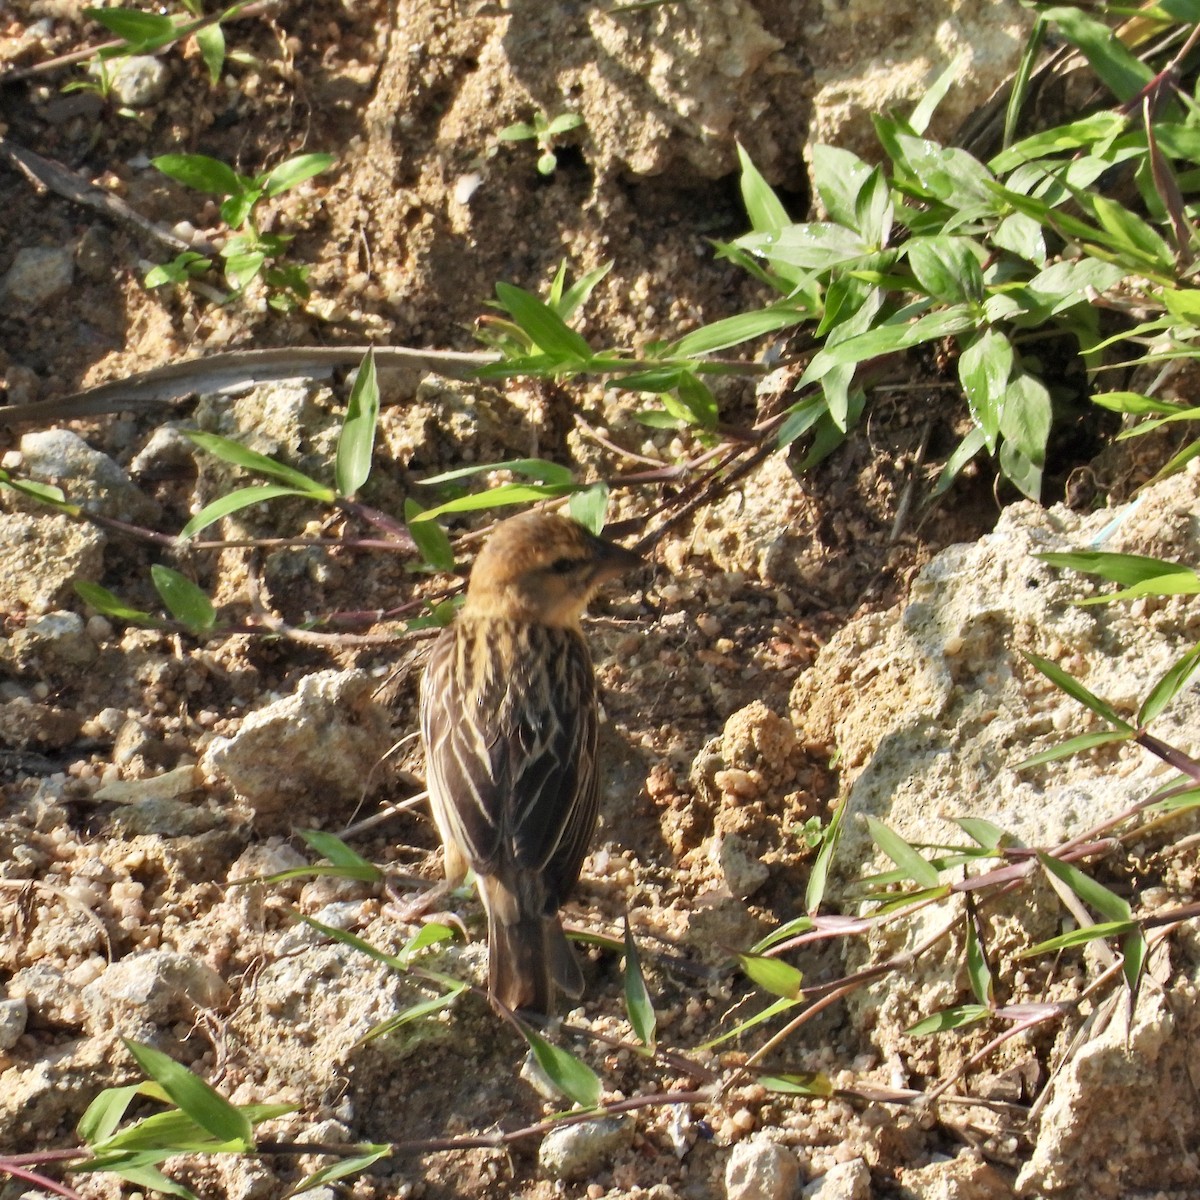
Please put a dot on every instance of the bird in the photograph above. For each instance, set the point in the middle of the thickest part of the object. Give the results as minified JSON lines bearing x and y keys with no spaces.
{"x":509,"y":722}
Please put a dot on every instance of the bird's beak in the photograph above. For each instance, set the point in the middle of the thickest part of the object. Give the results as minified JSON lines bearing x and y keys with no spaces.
{"x":612,"y":561}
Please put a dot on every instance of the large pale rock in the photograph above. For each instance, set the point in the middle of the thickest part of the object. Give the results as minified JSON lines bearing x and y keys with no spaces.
{"x":933,"y":707}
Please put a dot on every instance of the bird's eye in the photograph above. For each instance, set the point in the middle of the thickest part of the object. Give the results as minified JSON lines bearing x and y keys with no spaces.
{"x":563,"y":566}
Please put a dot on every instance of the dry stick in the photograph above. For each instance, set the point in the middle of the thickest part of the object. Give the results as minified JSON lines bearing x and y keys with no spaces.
{"x":493,"y":1141}
{"x":45,"y":173}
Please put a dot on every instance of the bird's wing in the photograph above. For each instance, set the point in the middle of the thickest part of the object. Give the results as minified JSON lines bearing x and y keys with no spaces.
{"x":511,"y":751}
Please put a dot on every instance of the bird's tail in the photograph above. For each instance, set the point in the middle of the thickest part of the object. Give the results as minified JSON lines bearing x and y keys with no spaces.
{"x":528,"y":953}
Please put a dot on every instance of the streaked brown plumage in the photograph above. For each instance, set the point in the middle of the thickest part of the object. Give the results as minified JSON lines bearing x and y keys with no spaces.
{"x":508,"y":714}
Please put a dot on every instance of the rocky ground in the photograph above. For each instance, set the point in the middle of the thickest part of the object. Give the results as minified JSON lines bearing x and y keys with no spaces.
{"x":798,"y":640}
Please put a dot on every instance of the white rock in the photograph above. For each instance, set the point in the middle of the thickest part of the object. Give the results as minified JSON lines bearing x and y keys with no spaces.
{"x":760,"y":1169}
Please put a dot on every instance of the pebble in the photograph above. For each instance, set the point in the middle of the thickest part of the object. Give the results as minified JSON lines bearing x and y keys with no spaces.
{"x":760,"y":1169}
{"x":13,"y":1016}
{"x":38,"y":275}
{"x":137,"y":81}
{"x":846,"y":1181}
{"x":574,"y":1152}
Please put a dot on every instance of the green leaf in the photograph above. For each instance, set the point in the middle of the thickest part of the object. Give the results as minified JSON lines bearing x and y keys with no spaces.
{"x":817,"y":245}
{"x":983,"y":832}
{"x":184,"y":600}
{"x":942,"y":172}
{"x":966,"y":450}
{"x":1134,"y":951}
{"x":206,"y":1107}
{"x":431,"y":539}
{"x":1078,"y":937}
{"x":356,"y":442}
{"x":1169,"y":686}
{"x":1023,"y":236}
{"x":1095,"y":895}
{"x":564,"y":123}
{"x":984,"y":367}
{"x":1050,"y":143}
{"x":573,"y":1077}
{"x":497,"y":497}
{"x":732,"y":331}
{"x":918,"y":869}
{"x":579,"y":292}
{"x":1025,"y":418}
{"x":839,"y":177}
{"x":950,"y":1018}
{"x":1075,"y":745}
{"x":549,"y":332}
{"x":1126,"y":569}
{"x":517,"y":132}
{"x":1076,"y":690}
{"x":590,"y":506}
{"x":1120,"y":71}
{"x":772,"y":975}
{"x":241,"y":269}
{"x":1135,"y":403}
{"x":355,"y":943}
{"x":106,"y":1112}
{"x":211,"y":42}
{"x":540,"y":469}
{"x":638,"y":1004}
{"x":239,"y":455}
{"x":432,"y":933}
{"x":415,"y":1012}
{"x":920,"y":117}
{"x":699,"y":404}
{"x":234,"y":212}
{"x":789,"y":929}
{"x":200,"y":172}
{"x":331,"y":847}
{"x":234,"y":502}
{"x":947,"y":268}
{"x":818,"y":879}
{"x":294,"y":171}
{"x":763,"y":206}
{"x":798,"y":1083}
{"x":104,"y":601}
{"x":978,"y":971}
{"x":341,"y":1168}
{"x":134,"y":26}
{"x":1132,"y":233}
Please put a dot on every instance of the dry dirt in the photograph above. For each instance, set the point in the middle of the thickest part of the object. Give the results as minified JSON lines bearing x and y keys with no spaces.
{"x":735,"y":606}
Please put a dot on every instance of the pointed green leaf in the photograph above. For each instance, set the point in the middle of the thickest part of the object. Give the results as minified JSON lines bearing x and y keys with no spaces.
{"x":239,"y":455}
{"x":763,"y":206}
{"x":1095,"y":895}
{"x":356,"y":443}
{"x":432,"y":540}
{"x":978,"y":971}
{"x":234,"y":502}
{"x":1120,"y":70}
{"x":1075,"y":745}
{"x":199,"y":172}
{"x":187,"y":603}
{"x":1169,"y":686}
{"x":573,"y":1077}
{"x":772,"y":975}
{"x":295,"y":171}
{"x":638,"y":1004}
{"x":540,"y":469}
{"x":342,"y":1168}
{"x":1078,"y":937}
{"x":903,"y":855}
{"x":331,"y":847}
{"x":789,"y":929}
{"x":104,"y":601}
{"x":798,"y":1083}
{"x":818,"y":878}
{"x":549,"y":332}
{"x":950,"y":1018}
{"x":1076,"y":690}
{"x":497,"y":497}
{"x":983,"y":832}
{"x":134,"y":26}
{"x":590,"y":506}
{"x":200,"y":1102}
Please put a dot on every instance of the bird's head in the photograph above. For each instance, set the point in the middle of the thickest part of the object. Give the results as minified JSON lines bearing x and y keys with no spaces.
{"x":544,"y":568}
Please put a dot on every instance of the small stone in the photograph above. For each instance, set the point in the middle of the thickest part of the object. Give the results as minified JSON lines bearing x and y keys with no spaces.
{"x":88,"y":477}
{"x":845,"y":1181}
{"x":38,"y":274}
{"x":158,"y":986}
{"x":93,"y":254}
{"x":760,"y":1169}
{"x":13,"y":1016}
{"x":744,"y":873}
{"x":573,"y":1152}
{"x":57,"y":639}
{"x":137,"y":81}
